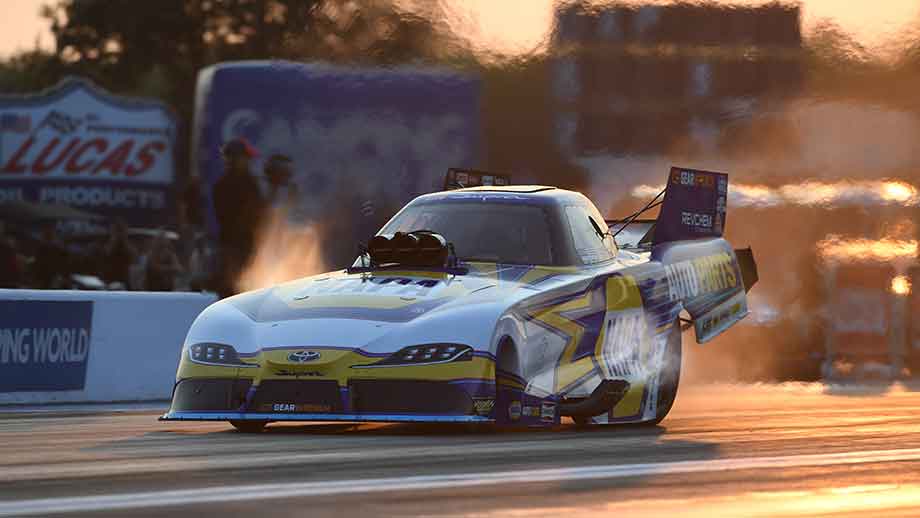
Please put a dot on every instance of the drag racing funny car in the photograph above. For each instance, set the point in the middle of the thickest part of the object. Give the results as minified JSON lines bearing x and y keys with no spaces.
{"x":512,"y":305}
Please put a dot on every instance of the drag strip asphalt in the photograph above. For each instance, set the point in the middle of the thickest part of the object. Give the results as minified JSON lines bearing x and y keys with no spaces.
{"x":786,"y":447}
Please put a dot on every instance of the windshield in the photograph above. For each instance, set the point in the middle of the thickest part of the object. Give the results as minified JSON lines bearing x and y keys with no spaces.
{"x":498,"y":232}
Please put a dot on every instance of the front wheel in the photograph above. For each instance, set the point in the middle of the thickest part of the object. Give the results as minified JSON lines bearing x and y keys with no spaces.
{"x":249,"y":426}
{"x":669,"y":377}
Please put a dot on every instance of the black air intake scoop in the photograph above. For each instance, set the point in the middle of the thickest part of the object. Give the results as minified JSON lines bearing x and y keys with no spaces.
{"x":420,"y":248}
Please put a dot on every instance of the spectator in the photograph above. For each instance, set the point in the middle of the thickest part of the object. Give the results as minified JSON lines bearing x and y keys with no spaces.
{"x":162,"y":265}
{"x":51,"y":260}
{"x":10,"y":270}
{"x":239,"y":206}
{"x":192,"y":201}
{"x":187,"y":235}
{"x":199,"y":269}
{"x":118,"y":254}
{"x":138,"y":269}
{"x":189,"y":224}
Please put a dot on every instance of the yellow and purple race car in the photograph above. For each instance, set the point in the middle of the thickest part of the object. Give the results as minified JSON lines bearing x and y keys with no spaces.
{"x":513,"y":305}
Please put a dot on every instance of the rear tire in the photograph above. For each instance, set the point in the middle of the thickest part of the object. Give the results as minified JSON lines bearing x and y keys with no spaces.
{"x":669,"y":377}
{"x":249,"y":426}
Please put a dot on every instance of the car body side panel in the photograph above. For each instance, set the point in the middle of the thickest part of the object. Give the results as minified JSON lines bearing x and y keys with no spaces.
{"x":706,"y":276}
{"x":615,"y":324}
{"x":611,"y":327}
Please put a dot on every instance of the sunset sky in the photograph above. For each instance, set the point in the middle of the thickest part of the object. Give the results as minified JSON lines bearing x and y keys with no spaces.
{"x":518,"y":26}
{"x":21,"y":24}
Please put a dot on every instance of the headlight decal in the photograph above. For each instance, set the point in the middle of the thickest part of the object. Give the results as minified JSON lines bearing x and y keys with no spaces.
{"x":425,"y":354}
{"x":220,"y":355}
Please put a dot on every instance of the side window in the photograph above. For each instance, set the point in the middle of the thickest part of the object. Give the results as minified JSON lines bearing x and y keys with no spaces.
{"x":589,"y":247}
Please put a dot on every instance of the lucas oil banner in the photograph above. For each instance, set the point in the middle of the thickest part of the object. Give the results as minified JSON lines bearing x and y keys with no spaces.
{"x":77,"y":145}
{"x":44,"y":345}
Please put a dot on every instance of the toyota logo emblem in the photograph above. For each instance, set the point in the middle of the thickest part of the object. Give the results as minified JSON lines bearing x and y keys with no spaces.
{"x":303,"y":356}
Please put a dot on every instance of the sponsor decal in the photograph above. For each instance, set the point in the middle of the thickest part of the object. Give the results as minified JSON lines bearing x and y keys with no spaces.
{"x":621,"y":352}
{"x":44,"y":345}
{"x":303,"y":356}
{"x":548,"y":411}
{"x":374,"y":284}
{"x":649,"y":408}
{"x":720,"y":318}
{"x":690,"y":279}
{"x":696,"y":220}
{"x":483,"y":406}
{"x":514,"y":410}
{"x":294,"y":407}
{"x":530,"y":411}
{"x":306,"y":374}
{"x":486,"y":196}
{"x":690,"y":178}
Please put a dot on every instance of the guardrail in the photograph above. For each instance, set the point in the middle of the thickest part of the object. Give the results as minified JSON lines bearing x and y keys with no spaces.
{"x":85,"y":346}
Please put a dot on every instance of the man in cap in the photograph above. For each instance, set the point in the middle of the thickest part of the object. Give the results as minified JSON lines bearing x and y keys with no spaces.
{"x":239,"y":207}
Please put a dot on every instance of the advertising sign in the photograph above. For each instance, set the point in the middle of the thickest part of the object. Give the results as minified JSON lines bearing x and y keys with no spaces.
{"x":606,"y":56}
{"x":77,"y":145}
{"x":44,"y":345}
{"x":354,"y":137}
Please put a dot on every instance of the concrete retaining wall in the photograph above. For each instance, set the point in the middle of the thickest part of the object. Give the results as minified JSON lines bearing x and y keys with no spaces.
{"x":133,"y":339}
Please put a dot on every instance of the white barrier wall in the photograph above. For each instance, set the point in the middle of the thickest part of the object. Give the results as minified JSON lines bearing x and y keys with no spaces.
{"x":85,"y":346}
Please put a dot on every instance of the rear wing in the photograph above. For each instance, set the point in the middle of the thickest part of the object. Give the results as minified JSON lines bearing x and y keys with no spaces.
{"x":703,"y":272}
{"x":458,"y":178}
{"x":693,"y":206}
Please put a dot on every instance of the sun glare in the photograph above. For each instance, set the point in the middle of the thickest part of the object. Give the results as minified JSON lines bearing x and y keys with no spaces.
{"x":837,"y":249}
{"x":900,"y":285}
{"x":510,"y":27}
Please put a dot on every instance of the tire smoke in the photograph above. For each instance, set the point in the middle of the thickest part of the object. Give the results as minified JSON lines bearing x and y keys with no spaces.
{"x":285,"y":251}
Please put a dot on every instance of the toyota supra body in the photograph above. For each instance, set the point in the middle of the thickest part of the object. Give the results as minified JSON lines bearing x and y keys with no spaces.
{"x":507,"y":305}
